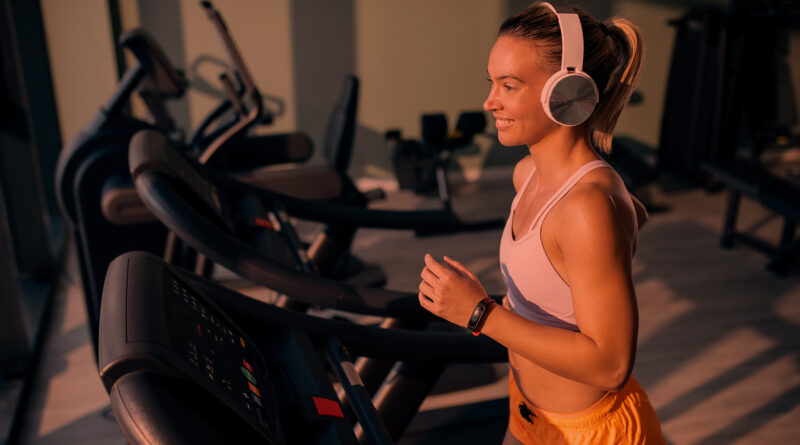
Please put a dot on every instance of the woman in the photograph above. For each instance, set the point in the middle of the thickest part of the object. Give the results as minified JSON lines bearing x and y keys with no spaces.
{"x":569,"y":319}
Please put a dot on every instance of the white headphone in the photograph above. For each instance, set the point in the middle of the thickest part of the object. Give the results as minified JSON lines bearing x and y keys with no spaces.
{"x":570,"y":95}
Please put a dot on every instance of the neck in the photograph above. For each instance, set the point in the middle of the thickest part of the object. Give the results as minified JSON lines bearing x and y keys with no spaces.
{"x":560,"y":153}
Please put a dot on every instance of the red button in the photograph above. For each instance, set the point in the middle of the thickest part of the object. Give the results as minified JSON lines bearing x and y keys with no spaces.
{"x":263,"y":223}
{"x":248,"y":366}
{"x":328,"y":407}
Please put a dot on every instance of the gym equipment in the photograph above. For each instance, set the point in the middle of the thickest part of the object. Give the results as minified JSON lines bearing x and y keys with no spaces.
{"x":693,"y":106}
{"x":185,"y":359}
{"x":89,"y":159}
{"x":755,"y":125}
{"x":93,"y":186}
{"x":422,"y":165}
{"x":176,"y":366}
{"x":244,"y":229}
{"x":569,"y":96}
{"x":690,"y":120}
{"x":693,"y":110}
{"x":214,"y":211}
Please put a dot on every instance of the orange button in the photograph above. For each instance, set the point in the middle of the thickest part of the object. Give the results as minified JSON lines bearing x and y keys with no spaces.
{"x":254,"y":389}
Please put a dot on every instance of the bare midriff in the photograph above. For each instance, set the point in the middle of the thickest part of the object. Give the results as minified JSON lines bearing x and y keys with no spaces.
{"x":551,"y":392}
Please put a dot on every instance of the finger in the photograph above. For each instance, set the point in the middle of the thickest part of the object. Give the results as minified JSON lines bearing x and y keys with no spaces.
{"x":458,"y":267}
{"x":426,"y":267}
{"x":427,"y":289}
{"x":424,"y":301}
{"x":429,"y":277}
{"x":437,"y":268}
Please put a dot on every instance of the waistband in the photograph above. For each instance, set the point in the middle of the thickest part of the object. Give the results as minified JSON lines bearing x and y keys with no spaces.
{"x":586,"y":418}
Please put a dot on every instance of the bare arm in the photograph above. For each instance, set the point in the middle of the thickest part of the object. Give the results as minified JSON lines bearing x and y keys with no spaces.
{"x":641,"y":211}
{"x":597,"y":261}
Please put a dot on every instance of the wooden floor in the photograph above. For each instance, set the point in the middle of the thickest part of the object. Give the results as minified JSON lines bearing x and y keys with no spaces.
{"x":719,"y":339}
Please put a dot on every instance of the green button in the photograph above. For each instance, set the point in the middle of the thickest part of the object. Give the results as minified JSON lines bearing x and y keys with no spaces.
{"x":249,"y":376}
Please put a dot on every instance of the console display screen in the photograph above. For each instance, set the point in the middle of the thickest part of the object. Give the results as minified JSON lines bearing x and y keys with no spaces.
{"x":210,"y":344}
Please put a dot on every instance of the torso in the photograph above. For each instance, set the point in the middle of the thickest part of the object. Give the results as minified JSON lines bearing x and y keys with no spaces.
{"x":543,"y":388}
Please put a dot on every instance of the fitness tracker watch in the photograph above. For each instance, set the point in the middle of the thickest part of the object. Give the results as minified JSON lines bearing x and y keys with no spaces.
{"x":478,"y":314}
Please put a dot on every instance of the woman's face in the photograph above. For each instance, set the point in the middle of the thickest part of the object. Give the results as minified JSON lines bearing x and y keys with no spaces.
{"x":517,"y":74}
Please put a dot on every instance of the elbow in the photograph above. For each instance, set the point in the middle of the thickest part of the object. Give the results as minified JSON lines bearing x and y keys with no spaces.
{"x":616,"y":377}
{"x":616,"y":381}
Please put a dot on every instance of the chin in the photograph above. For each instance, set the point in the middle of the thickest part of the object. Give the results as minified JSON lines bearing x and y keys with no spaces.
{"x":508,"y":140}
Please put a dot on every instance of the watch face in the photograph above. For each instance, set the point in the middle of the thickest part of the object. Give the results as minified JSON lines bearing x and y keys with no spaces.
{"x":476,"y":316}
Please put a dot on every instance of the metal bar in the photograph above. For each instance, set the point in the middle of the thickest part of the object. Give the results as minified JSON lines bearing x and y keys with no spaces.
{"x":357,"y":395}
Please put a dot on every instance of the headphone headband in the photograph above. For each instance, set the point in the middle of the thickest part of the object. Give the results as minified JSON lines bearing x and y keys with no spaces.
{"x":571,"y":36}
{"x":569,"y":96}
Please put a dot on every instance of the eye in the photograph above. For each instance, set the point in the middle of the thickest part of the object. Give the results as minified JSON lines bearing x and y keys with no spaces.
{"x":508,"y":87}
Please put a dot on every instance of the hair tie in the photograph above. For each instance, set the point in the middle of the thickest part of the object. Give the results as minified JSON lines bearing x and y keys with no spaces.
{"x":604,"y":28}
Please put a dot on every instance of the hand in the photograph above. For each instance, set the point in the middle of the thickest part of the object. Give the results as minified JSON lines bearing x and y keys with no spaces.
{"x":451,"y":291}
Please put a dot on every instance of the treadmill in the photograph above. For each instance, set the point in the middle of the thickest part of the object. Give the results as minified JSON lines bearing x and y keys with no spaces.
{"x":186,"y":360}
{"x":246,"y":230}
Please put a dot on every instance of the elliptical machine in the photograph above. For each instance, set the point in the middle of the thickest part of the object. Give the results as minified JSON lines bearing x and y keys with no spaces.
{"x":93,"y":185}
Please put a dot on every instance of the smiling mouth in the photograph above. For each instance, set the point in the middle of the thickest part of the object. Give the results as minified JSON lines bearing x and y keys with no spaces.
{"x":500,"y":122}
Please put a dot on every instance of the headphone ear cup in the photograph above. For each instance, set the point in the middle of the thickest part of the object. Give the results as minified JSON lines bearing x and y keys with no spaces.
{"x":569,"y":98}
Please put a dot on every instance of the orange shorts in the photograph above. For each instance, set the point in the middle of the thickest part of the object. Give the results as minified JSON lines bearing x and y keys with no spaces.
{"x":624,"y":417}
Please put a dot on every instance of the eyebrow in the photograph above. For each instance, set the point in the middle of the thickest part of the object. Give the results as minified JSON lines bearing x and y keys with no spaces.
{"x":506,"y":76}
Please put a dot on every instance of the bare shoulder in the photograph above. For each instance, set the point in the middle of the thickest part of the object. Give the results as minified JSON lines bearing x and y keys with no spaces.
{"x":599,"y":203}
{"x":589,"y":200}
{"x":626,"y":204}
{"x":522,"y":170}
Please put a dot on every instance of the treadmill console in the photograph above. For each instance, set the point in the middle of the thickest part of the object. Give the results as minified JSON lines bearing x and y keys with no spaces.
{"x":161,"y":326}
{"x":214,"y":347}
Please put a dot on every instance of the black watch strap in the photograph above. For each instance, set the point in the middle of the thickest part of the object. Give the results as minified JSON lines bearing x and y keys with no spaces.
{"x":476,"y":319}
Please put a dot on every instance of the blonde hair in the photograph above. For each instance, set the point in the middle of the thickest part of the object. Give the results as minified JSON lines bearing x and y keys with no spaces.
{"x":613,"y":56}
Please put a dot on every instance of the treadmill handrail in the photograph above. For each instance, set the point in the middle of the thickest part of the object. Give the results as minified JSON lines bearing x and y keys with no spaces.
{"x":226,"y":249}
{"x":254,"y":316}
{"x":148,"y":152}
{"x":153,"y":162}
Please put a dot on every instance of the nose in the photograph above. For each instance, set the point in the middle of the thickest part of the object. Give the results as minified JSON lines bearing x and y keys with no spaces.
{"x":491,"y":103}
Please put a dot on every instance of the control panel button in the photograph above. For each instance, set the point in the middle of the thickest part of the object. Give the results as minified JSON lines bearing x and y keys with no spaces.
{"x":328,"y":407}
{"x":254,"y":389}
{"x":249,"y":375}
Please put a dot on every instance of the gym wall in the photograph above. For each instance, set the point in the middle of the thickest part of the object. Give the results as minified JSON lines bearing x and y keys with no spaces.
{"x":643,"y":121}
{"x":81,"y":56}
{"x":413,"y":57}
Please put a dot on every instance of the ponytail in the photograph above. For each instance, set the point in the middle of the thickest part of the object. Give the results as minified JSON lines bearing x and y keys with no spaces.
{"x":629,"y":49}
